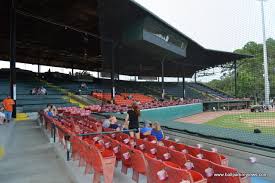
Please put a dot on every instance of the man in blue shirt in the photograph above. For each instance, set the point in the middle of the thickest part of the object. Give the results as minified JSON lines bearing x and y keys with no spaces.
{"x":147,"y":128}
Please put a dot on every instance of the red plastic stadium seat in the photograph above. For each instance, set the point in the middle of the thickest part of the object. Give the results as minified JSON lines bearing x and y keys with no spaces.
{"x":163,"y":153}
{"x":116,"y":149}
{"x":178,"y":175}
{"x":194,"y":151}
{"x":150,"y":148}
{"x":140,"y":145}
{"x":181,"y":147}
{"x":169,"y":143}
{"x":215,"y":157}
{"x":150,"y":138}
{"x":138,"y":164}
{"x":155,"y":170}
{"x":202,"y":166}
{"x":219,"y":169}
{"x":126,"y":152}
{"x":178,"y":157}
{"x":102,"y":166}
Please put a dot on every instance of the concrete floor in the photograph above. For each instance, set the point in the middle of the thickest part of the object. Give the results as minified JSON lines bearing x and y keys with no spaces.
{"x":30,"y":158}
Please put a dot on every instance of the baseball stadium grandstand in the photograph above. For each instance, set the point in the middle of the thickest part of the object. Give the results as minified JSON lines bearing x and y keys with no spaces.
{"x":78,"y":127}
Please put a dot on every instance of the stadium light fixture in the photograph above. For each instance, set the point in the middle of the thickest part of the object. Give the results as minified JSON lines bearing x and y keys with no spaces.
{"x":266,"y":80}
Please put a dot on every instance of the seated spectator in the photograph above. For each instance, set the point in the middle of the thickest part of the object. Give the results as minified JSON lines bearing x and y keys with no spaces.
{"x":110,"y":122}
{"x":2,"y":115}
{"x":114,"y":125}
{"x":34,"y":91}
{"x":157,"y":131}
{"x":83,"y":86}
{"x":43,"y":91}
{"x":146,"y":130}
{"x":130,"y":97}
{"x":38,"y":92}
{"x":106,"y":122}
{"x":51,"y":110}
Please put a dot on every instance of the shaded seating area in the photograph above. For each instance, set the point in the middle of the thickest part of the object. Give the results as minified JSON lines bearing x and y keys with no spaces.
{"x":24,"y":100}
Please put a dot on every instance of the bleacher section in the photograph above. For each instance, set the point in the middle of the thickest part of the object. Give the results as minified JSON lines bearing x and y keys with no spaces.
{"x":210,"y":91}
{"x":27,"y":80}
{"x":172,"y":89}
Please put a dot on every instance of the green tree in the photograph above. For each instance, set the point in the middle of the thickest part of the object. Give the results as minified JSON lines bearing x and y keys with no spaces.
{"x":250,"y":81}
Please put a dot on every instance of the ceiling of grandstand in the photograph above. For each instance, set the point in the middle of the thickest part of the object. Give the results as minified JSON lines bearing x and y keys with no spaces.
{"x":81,"y":34}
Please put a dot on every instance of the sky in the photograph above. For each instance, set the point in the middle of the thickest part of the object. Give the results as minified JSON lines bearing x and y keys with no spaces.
{"x":214,"y":24}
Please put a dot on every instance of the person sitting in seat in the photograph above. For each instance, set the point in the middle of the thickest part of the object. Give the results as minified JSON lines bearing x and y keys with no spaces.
{"x":107,"y":122}
{"x":51,"y":110}
{"x":43,"y":91}
{"x":2,"y":115}
{"x":84,"y":86}
{"x":33,"y":91}
{"x":146,"y":130}
{"x":157,"y":131}
{"x":113,"y":123}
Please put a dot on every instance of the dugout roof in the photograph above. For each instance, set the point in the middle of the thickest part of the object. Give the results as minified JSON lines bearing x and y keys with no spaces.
{"x":80,"y":35}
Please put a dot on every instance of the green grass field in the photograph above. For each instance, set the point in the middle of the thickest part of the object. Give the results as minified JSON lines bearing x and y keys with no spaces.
{"x":263,"y":121}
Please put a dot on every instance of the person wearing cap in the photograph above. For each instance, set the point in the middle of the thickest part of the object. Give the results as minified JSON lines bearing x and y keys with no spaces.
{"x":8,"y":103}
{"x":146,"y":130}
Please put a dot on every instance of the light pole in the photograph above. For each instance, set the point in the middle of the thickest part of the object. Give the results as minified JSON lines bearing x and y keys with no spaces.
{"x":266,"y":80}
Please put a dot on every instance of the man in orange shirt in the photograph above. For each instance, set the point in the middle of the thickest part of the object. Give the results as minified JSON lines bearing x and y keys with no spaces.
{"x":8,"y":107}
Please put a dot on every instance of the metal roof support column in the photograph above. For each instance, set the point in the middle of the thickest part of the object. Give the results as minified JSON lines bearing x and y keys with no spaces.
{"x":38,"y":68}
{"x":13,"y":55}
{"x":195,"y":77}
{"x":162,"y":79}
{"x":72,"y":70}
{"x":113,"y":91}
{"x":183,"y":87}
{"x":235,"y":77}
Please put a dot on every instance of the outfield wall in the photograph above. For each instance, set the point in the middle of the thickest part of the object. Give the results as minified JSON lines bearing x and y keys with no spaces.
{"x":171,"y":113}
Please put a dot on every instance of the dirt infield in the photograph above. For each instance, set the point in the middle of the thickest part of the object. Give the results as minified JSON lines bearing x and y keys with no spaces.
{"x":207,"y":116}
{"x":259,"y":122}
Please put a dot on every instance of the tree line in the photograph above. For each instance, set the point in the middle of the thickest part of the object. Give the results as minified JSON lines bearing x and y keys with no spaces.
{"x":250,"y":74}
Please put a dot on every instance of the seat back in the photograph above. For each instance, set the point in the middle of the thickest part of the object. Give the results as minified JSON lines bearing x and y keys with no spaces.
{"x":194,"y":151}
{"x":180,"y":147}
{"x":151,"y":138}
{"x":116,"y":149}
{"x":95,"y":157}
{"x":163,"y":153}
{"x":178,"y":157}
{"x":140,"y":145}
{"x":150,"y":147}
{"x":138,"y":161}
{"x":126,"y":152}
{"x":201,"y":165}
{"x":211,"y":156}
{"x":154,"y":167}
{"x":177,"y":174}
{"x":219,"y":169}
{"x":169,"y":143}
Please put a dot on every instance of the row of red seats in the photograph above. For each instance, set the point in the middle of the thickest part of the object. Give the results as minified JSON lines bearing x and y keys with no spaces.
{"x":143,"y":155}
{"x":87,"y":151}
{"x":170,"y":158}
